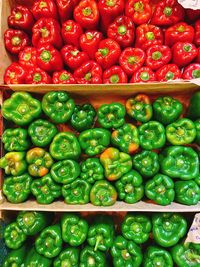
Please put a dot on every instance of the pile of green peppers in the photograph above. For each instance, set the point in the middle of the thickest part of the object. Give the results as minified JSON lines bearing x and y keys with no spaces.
{"x":39,"y":239}
{"x":132,"y":151}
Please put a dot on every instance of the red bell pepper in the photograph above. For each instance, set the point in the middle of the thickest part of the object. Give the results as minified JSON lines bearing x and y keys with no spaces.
{"x":139,"y":11}
{"x":63,"y":77}
{"x":167,"y":12}
{"x":158,"y":56}
{"x":115,"y":74}
{"x":108,"y":53}
{"x":15,"y":40}
{"x":71,"y":32}
{"x":86,"y":13}
{"x":21,"y":18}
{"x":37,"y":76}
{"x":183,"y":53}
{"x":181,"y":32}
{"x":65,"y":9}
{"x":131,"y":59}
{"x":198,"y":56}
{"x":89,"y":73}
{"x":197,"y":33}
{"x":122,"y":30}
{"x":168,"y":72}
{"x":44,"y":9}
{"x":49,"y":58}
{"x":191,"y":72}
{"x":47,"y":31}
{"x":28,"y":57}
{"x":193,"y":14}
{"x":72,"y":57}
{"x":89,"y":42}
{"x":148,"y":35}
{"x":15,"y":74}
{"x":143,"y":75}
{"x":109,"y":10}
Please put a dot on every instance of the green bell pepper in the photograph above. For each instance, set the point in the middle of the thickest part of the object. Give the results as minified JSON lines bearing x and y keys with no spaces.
{"x":181,"y":132}
{"x":139,"y":108}
{"x":194,"y":106}
{"x":68,"y":257}
{"x":49,"y":242}
{"x":160,"y":189}
{"x":58,"y":106}
{"x":91,"y":258}
{"x":126,"y":138}
{"x":152,"y":135}
{"x":94,"y":141}
{"x":42,"y":132}
{"x":186,"y":255}
{"x":111,"y":115}
{"x":126,"y":253}
{"x":168,"y":228}
{"x":65,"y":171}
{"x":167,"y":109}
{"x":15,"y":139}
{"x":39,"y":162}
{"x":146,"y":163}
{"x":92,"y":170}
{"x":83,"y":117}
{"x":45,"y":189}
{"x":74,"y":229}
{"x":14,"y":163}
{"x":115,"y":163}
{"x":65,"y":146}
{"x":17,"y":188}
{"x":103,"y":194}
{"x":157,"y":256}
{"x":187,"y":192}
{"x":21,"y":108}
{"x":197,"y":126}
{"x":197,"y":180}
{"x":77,"y":192}
{"x":179,"y":162}
{"x":34,"y":259}
{"x":136,"y":228}
{"x":15,"y":258}
{"x":14,"y":236}
{"x":130,"y":187}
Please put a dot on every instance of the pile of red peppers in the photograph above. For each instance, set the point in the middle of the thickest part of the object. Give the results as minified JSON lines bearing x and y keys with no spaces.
{"x":104,"y":41}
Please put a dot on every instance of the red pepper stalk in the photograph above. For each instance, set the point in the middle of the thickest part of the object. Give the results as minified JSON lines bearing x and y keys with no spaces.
{"x":37,"y":76}
{"x":197,"y":33}
{"x":114,"y":75}
{"x":63,"y":77}
{"x":71,"y":32}
{"x":44,"y":9}
{"x":158,"y":56}
{"x":65,"y":9}
{"x":15,"y":40}
{"x":143,"y":75}
{"x":28,"y":57}
{"x":89,"y":42}
{"x":168,"y":72}
{"x":191,"y":72}
{"x":15,"y":74}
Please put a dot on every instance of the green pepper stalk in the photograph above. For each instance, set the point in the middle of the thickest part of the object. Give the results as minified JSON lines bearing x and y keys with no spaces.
{"x":130,"y":187}
{"x":49,"y":242}
{"x":68,"y":257}
{"x":126,"y":253}
{"x":92,"y":170}
{"x":15,"y":257}
{"x":157,"y":256}
{"x":115,"y":163}
{"x":194,"y":106}
{"x":187,"y":192}
{"x":65,"y":171}
{"x":94,"y":141}
{"x":91,"y":258}
{"x":14,"y":163}
{"x":136,"y":228}
{"x":14,"y":236}
{"x":15,"y":139}
{"x":168,"y":228}
{"x":58,"y":106}
{"x":197,"y":126}
{"x":42,"y":132}
{"x":74,"y":229}
{"x":35,"y":259}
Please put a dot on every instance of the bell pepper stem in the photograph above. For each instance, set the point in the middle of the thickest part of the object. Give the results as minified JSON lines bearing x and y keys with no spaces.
{"x":16,"y":40}
{"x":37,"y":77}
{"x":98,"y":240}
{"x":196,"y":74}
{"x":104,"y":51}
{"x":167,"y":11}
{"x":87,"y":11}
{"x":114,"y":78}
{"x":64,"y":77}
{"x":45,"y":56}
{"x":122,"y":29}
{"x":156,"y":55}
{"x":139,"y":7}
{"x":18,"y":15}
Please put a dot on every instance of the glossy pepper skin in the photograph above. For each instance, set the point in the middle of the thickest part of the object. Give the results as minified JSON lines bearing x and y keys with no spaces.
{"x":44,"y":9}
{"x":15,"y":40}
{"x":74,"y":229}
{"x":136,"y":228}
{"x":115,"y":163}
{"x":114,"y":75}
{"x":58,"y":106}
{"x":88,"y":256}
{"x":14,"y":163}
{"x":92,"y":170}
{"x":37,"y":76}
{"x":27,"y":57}
{"x":130,"y":188}
{"x":103,"y":194}
{"x":139,"y":11}
{"x":160,"y":189}
{"x":187,"y":192}
{"x":15,"y":257}
{"x":179,"y":162}
{"x":194,"y":106}
{"x":167,"y":109}
{"x":71,"y":32}
{"x":14,"y":236}
{"x":14,"y":74}
{"x":63,"y":77}
{"x":15,"y":139}
{"x":65,"y":145}
{"x":111,"y":115}
{"x":17,"y":188}
{"x":168,"y":72}
{"x":68,"y":256}
{"x":197,"y":126}
{"x":34,"y":259}
{"x":139,"y":108}
{"x":152,"y":135}
{"x":143,"y":75}
{"x":191,"y":72}
{"x":125,"y":252}
{"x":197,"y":33}
{"x":21,"y":108}
{"x":65,"y":171}
{"x":49,"y":241}
{"x":155,"y":255}
{"x":168,"y":228}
